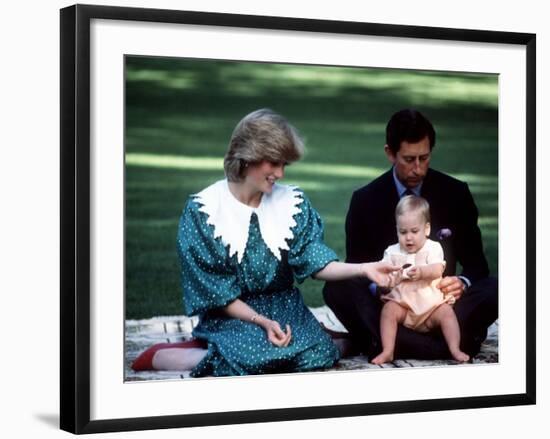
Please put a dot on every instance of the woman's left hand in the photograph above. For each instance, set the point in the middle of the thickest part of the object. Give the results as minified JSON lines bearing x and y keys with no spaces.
{"x":384,"y":274}
{"x":275,"y":334}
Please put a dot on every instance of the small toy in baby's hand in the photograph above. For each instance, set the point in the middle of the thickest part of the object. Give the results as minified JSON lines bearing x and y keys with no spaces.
{"x":406,"y":268}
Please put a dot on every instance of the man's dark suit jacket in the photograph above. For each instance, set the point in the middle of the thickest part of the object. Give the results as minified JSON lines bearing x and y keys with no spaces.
{"x":371,"y":227}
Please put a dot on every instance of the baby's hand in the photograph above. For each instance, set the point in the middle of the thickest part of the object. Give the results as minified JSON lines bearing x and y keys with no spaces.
{"x":414,"y":273}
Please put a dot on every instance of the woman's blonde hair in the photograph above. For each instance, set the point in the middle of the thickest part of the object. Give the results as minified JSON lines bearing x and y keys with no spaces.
{"x":415,"y":204}
{"x":261,"y":135}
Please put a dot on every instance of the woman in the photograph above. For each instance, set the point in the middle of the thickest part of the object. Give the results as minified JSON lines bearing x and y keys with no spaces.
{"x":241,"y":243}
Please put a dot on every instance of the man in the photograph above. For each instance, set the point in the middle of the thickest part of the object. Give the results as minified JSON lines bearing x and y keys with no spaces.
{"x":370,"y":228}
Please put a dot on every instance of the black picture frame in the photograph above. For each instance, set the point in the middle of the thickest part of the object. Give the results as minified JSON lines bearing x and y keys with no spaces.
{"x":76,"y":210}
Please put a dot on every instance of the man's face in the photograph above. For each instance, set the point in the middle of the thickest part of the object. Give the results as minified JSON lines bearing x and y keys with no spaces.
{"x":411,"y":161}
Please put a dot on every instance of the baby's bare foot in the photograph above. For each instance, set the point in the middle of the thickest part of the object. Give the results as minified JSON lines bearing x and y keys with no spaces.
{"x":458,"y":355}
{"x":383,"y":357}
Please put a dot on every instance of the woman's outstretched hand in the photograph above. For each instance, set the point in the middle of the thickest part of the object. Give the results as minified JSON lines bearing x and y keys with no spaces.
{"x":384,"y":274}
{"x":275,"y":334}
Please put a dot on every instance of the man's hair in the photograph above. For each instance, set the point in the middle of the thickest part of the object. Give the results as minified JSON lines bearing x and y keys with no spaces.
{"x":413,"y":203}
{"x":408,"y":125}
{"x":261,"y":135}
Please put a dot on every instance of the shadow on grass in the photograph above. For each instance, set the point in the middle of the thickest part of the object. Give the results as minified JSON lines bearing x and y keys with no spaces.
{"x":188,"y":108}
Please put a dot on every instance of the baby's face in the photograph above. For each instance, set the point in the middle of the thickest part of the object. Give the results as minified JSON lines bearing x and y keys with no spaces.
{"x":412,"y":231}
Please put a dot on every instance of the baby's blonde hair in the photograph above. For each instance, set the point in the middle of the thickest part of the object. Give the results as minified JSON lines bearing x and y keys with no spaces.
{"x":413,"y":203}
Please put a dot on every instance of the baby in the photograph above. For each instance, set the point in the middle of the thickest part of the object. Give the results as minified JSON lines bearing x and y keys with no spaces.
{"x":415,"y":301}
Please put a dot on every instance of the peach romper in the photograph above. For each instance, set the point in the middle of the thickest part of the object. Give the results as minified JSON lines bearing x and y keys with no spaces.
{"x":420,"y":297}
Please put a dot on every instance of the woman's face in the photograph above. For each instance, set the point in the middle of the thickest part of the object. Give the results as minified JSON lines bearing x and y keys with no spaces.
{"x":262,"y":176}
{"x":412,"y":231}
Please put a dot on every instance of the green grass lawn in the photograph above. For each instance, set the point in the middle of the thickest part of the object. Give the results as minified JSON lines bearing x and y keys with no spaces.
{"x":180,"y":115}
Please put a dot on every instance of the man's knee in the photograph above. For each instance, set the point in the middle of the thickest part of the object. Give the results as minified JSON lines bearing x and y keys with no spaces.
{"x":352,"y":302}
{"x":486,"y":295}
{"x":331,"y":292}
{"x":327,"y":291}
{"x":482,"y":295}
{"x":348,"y":291}
{"x":488,"y":287}
{"x":492,"y":290}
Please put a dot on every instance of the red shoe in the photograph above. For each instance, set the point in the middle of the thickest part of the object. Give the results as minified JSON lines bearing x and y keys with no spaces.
{"x":145,"y":360}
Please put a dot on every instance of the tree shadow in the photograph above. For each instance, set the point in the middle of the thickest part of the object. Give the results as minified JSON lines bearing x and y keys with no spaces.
{"x":180,"y":107}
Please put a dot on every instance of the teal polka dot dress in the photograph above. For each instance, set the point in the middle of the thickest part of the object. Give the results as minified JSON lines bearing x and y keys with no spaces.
{"x":211,"y":279}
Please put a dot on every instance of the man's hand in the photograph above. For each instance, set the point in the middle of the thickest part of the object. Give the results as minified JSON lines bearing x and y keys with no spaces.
{"x":451,"y":285}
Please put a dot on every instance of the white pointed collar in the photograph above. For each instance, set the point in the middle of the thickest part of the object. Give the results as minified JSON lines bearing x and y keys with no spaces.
{"x":231,"y":218}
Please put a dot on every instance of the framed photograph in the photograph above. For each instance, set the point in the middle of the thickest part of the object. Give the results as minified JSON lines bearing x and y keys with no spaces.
{"x":149,"y":101}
